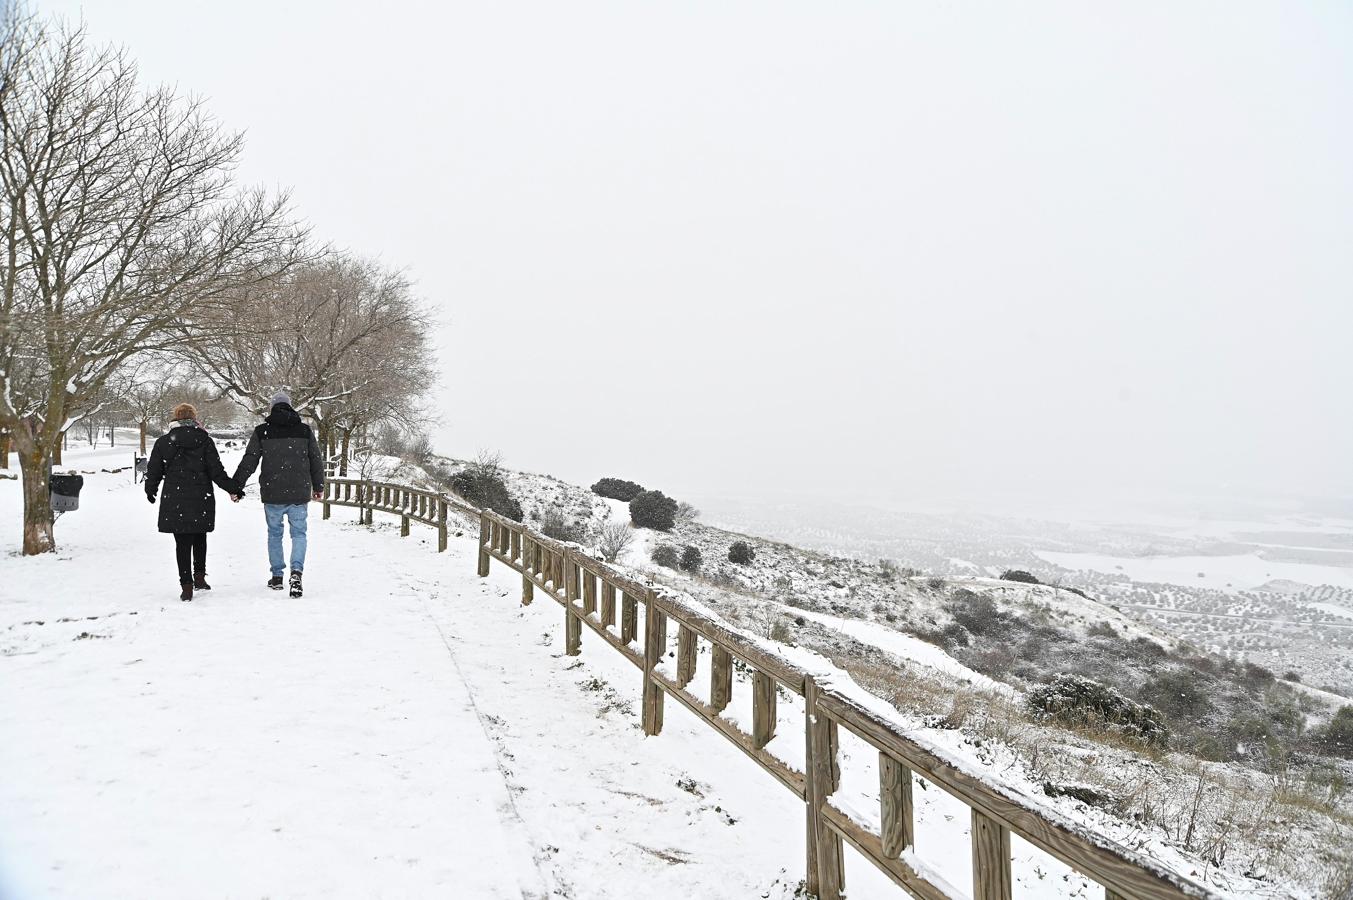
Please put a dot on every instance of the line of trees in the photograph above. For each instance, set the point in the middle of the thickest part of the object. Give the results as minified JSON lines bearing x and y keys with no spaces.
{"x":136,"y":273}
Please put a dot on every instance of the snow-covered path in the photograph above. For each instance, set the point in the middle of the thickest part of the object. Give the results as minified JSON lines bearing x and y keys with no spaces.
{"x":405,"y":730}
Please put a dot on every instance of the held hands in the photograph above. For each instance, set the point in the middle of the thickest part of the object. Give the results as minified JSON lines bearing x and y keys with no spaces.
{"x":150,"y":497}
{"x":235,"y":498}
{"x":318,"y":495}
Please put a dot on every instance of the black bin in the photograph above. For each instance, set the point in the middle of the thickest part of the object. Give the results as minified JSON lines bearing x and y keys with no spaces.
{"x":66,"y":492}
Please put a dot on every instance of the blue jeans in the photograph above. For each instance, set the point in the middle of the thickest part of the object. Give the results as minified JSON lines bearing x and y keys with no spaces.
{"x":295,"y":514}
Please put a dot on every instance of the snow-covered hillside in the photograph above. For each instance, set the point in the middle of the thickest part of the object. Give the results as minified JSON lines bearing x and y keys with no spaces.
{"x":408,"y":729}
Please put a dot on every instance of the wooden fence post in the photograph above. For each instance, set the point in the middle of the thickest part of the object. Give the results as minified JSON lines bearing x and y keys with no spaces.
{"x":686,"y":651}
{"x":720,"y":678}
{"x":589,"y":592}
{"x":607,"y":604}
{"x":441,"y":524}
{"x":655,"y":646}
{"x":629,"y":618}
{"x":826,"y":874}
{"x":990,"y":859}
{"x":529,"y":555}
{"x":483,"y":545}
{"x":328,"y":493}
{"x":895,"y":800}
{"x":573,"y":626}
{"x":763,"y":708}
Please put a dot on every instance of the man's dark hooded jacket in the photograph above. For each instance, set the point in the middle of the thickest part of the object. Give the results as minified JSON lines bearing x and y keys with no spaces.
{"x":292,"y":466}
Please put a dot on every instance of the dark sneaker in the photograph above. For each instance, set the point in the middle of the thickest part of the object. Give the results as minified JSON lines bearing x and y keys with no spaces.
{"x":200,"y":582}
{"x":187,"y":590}
{"x":295,"y":584}
{"x":275,"y":582}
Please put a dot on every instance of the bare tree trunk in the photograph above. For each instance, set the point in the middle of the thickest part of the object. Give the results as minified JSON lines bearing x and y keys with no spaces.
{"x":4,"y":449}
{"x":37,"y":501}
{"x":144,"y":423}
{"x":112,"y":435}
{"x":343,"y":460}
{"x":56,"y":452}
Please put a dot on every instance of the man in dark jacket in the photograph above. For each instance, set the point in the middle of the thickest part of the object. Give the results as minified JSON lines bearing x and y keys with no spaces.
{"x":293,"y":475}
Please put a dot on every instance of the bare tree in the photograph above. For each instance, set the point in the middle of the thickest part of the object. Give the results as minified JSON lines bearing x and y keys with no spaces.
{"x":686,"y":513}
{"x":120,"y":218}
{"x":346,"y":337}
{"x":486,"y":464}
{"x":615,"y":538}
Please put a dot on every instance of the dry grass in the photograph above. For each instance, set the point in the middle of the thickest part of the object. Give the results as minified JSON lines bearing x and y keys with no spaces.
{"x":1293,"y":826}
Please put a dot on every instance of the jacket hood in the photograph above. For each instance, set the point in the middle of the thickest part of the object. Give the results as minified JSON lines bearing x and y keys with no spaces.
{"x":187,"y":434}
{"x":282,"y":414}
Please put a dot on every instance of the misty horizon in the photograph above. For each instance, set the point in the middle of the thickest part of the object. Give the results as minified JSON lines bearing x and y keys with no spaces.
{"x":907,"y":255}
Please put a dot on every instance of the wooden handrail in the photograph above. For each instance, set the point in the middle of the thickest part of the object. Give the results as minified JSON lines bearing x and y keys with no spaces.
{"x":588,"y":590}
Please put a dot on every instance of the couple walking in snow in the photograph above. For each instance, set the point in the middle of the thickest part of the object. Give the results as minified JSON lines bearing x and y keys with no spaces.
{"x":185,"y":461}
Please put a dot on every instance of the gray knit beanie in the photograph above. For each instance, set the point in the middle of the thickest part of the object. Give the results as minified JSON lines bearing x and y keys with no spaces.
{"x":281,"y":397}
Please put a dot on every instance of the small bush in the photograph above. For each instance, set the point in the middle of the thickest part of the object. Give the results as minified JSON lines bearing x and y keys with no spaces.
{"x":666,"y":556}
{"x":887,"y":569}
{"x":1180,"y":694}
{"x":554,"y":525}
{"x":653,"y":509}
{"x":617,"y":489}
{"x":1019,"y":575}
{"x":935,"y":584}
{"x":1102,"y":629}
{"x":1082,"y":702}
{"x":486,"y":491}
{"x":741,"y":552}
{"x":1336,"y":738}
{"x":977,"y":613}
{"x":691,"y":559}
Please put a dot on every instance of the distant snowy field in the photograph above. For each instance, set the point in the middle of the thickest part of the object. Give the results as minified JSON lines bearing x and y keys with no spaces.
{"x":1242,"y":572}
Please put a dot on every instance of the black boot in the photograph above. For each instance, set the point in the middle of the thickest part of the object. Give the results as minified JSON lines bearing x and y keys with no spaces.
{"x":275,"y":582}
{"x":200,"y":582}
{"x":295,"y":584}
{"x":187,"y":590}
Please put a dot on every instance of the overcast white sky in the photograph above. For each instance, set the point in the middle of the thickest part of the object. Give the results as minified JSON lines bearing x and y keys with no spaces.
{"x":920,"y":249}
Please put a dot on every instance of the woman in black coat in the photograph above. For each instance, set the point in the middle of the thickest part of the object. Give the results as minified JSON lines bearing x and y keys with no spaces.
{"x":186,"y":461}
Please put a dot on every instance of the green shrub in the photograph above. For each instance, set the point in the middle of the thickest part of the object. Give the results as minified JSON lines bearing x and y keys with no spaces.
{"x":741,"y":552}
{"x":617,"y":489}
{"x":554,"y":525}
{"x":653,"y":509}
{"x":1082,"y":702}
{"x":1019,"y":575}
{"x":486,"y":491}
{"x":1336,"y":738}
{"x":1180,"y":694}
{"x":977,"y":613}
{"x":691,"y":559}
{"x":666,"y":556}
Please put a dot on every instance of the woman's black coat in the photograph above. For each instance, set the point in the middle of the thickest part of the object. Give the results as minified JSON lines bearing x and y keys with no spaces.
{"x":186,"y":461}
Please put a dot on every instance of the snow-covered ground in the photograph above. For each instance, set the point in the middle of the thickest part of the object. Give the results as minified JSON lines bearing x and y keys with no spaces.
{"x":407,"y":729}
{"x":1238,"y":572}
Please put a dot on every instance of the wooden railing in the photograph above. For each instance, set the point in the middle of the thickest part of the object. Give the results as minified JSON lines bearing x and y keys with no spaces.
{"x":633,"y":617}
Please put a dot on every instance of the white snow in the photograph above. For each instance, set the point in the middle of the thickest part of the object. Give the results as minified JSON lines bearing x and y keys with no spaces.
{"x":406,"y":729}
{"x":906,"y":647}
{"x":1219,"y":572}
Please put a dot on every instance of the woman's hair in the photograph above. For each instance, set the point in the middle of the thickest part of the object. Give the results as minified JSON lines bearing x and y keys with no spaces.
{"x":184,"y":411}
